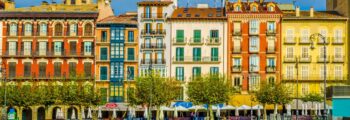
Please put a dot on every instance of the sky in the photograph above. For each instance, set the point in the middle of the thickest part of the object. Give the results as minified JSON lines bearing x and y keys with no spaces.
{"x":122,"y":6}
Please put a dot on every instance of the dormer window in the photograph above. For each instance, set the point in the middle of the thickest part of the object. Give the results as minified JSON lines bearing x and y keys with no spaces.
{"x":270,"y":8}
{"x":254,"y":9}
{"x":237,"y":8}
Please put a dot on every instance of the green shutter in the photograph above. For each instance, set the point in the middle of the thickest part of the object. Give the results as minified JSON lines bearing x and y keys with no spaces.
{"x":214,"y":54}
{"x":131,"y":73}
{"x":131,"y":54}
{"x":103,"y":73}
{"x":179,"y":54}
{"x":197,"y":36}
{"x":196,"y":72}
{"x":180,"y":73}
{"x":197,"y":54}
{"x":180,"y":36}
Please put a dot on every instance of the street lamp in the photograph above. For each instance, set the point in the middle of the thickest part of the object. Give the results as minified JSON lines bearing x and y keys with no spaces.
{"x":314,"y":36}
{"x":4,"y":109}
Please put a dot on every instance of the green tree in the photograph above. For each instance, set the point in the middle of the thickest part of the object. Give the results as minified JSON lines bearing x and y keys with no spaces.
{"x":210,"y":90}
{"x":153,"y":90}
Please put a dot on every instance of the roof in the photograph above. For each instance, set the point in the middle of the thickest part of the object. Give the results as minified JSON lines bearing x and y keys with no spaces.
{"x":198,"y":13}
{"x":154,"y":3}
{"x":129,"y":20}
{"x":286,"y":7}
{"x":6,"y":14}
{"x":262,"y":8}
{"x":317,"y":15}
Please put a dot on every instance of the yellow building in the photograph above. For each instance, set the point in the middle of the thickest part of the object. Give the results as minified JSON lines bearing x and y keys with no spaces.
{"x":303,"y":57}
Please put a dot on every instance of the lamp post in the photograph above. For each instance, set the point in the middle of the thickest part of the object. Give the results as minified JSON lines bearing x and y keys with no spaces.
{"x":297,"y":68}
{"x":4,"y":114}
{"x":312,"y":37}
{"x":151,"y":91}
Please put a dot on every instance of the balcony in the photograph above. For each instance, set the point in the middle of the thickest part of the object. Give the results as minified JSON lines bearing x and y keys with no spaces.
{"x":213,"y":41}
{"x":196,"y":60}
{"x":289,"y":40}
{"x":270,"y":32}
{"x":131,"y":58}
{"x":330,"y":77}
{"x":289,"y":59}
{"x":237,"y":33}
{"x":131,"y":42}
{"x":179,"y":41}
{"x":270,"y":49}
{"x":153,"y":16}
{"x":305,"y":58}
{"x":237,"y":50}
{"x":253,"y":69}
{"x":338,"y":59}
{"x":236,"y":69}
{"x":38,"y":76}
{"x":153,"y":46}
{"x":159,"y":32}
{"x":196,"y":41}
{"x":253,"y":31}
{"x":322,"y":59}
{"x":289,"y":77}
{"x":152,"y":61}
{"x":304,"y":40}
{"x":102,"y":58}
{"x":338,"y":40}
{"x":320,"y":41}
{"x":271,"y":69}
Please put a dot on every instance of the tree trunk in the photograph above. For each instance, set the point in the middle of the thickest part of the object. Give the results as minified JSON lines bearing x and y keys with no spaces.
{"x":211,"y":116}
{"x":265,"y":114}
{"x":158,"y":112}
{"x":275,"y":109}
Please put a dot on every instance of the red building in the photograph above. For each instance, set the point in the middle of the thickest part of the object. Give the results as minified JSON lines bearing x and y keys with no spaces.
{"x":48,"y":45}
{"x":254,"y":43}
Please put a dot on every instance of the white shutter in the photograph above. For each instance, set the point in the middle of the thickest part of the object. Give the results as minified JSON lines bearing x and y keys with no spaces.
{"x":237,"y":27}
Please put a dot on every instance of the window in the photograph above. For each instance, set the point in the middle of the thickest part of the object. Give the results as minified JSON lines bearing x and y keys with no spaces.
{"x":58,"y":48}
{"x":148,"y":27}
{"x":58,"y":29}
{"x":322,"y":53}
{"x":148,"y":12}
{"x":197,"y":55}
{"x":254,"y":44}
{"x":12,"y":69}
{"x":254,"y":9}
{"x":271,"y":62}
{"x":72,"y":2}
{"x":27,"y":48}
{"x":130,"y":36}
{"x":28,"y":29}
{"x":147,"y":58}
{"x":197,"y":36}
{"x":270,"y":8}
{"x":117,"y":71}
{"x":13,"y":29}
{"x":27,"y":69}
{"x":88,"y":30}
{"x":254,"y":82}
{"x":290,"y":72}
{"x":305,"y":35}
{"x":57,"y":69}
{"x":324,"y":33}
{"x":117,"y":50}
{"x":305,"y":88}
{"x":290,"y":52}
{"x":338,"y":36}
{"x":73,"y":29}
{"x":180,"y":96}
{"x":323,"y":72}
{"x":160,"y":43}
{"x":103,"y":36}
{"x":42,"y":69}
{"x":237,"y":81}
{"x":131,"y":54}
{"x":87,"y":48}
{"x":12,"y":48}
{"x":103,"y":93}
{"x":338,"y":52}
{"x":103,"y":54}
{"x":254,"y":63}
{"x":237,"y":62}
{"x":214,"y":54}
{"x":237,"y":44}
{"x":103,"y":73}
{"x":338,"y":72}
{"x":237,"y":8}
{"x":196,"y":72}
{"x":180,"y":73}
{"x":72,"y":69}
{"x":179,"y":54}
{"x":254,"y":27}
{"x":271,"y":44}
{"x":290,"y":35}
{"x":271,"y":80}
{"x":304,"y":72}
{"x":180,"y":36}
{"x":131,"y":73}
{"x":271,"y":27}
{"x":87,"y":69}
{"x":237,"y":27}
{"x":73,"y":47}
{"x":43,"y":48}
{"x":214,"y":33}
{"x":305,"y":52}
{"x":214,"y":70}
{"x":43,"y":29}
{"x":159,"y":57}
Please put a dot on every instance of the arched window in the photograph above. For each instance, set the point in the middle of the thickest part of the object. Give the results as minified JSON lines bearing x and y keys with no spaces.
{"x":27,"y":29}
{"x":13,"y":29}
{"x":88,"y":30}
{"x":237,"y":8}
{"x":58,"y":29}
{"x":270,"y":8}
{"x":42,"y":29}
{"x":73,"y":29}
{"x":254,"y":8}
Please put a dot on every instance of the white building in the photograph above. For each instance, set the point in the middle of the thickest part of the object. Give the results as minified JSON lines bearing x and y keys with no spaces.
{"x":154,"y":40}
{"x":198,"y":45}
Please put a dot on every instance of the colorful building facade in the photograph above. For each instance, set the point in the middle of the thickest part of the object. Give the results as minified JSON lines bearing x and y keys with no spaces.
{"x":253,"y":44}
{"x":303,"y":55}
{"x":198,"y":43}
{"x":118,"y":56}
{"x":154,"y":35}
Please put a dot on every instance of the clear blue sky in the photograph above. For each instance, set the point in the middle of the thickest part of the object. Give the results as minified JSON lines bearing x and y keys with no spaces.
{"x":121,"y":6}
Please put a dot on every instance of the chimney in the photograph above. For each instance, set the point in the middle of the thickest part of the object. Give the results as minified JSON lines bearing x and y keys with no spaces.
{"x":297,"y":11}
{"x":312,"y":12}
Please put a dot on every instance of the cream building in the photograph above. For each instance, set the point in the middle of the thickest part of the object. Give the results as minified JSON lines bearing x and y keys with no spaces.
{"x":198,"y":43}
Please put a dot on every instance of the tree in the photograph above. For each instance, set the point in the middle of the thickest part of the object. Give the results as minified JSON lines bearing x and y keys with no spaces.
{"x":153,"y":90}
{"x":210,"y":90}
{"x":273,"y":94}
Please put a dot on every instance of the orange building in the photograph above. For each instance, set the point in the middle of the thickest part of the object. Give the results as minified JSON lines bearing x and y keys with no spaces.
{"x":48,"y":45}
{"x":254,"y":44}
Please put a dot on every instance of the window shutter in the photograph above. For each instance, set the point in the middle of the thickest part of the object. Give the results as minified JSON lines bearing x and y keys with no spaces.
{"x":82,"y":47}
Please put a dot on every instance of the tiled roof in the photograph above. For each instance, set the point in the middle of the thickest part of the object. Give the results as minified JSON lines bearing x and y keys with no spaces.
{"x":286,"y":7}
{"x":6,"y":14}
{"x":130,"y":20}
{"x":317,"y":15}
{"x":154,"y":2}
{"x":262,"y":8}
{"x":198,"y":13}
